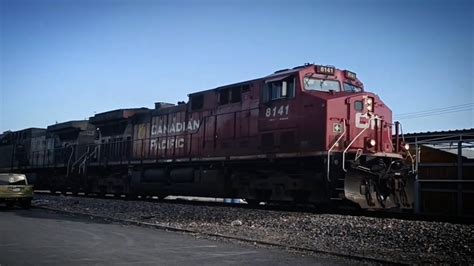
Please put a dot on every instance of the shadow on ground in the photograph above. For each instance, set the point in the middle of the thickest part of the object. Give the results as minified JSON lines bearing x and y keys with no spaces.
{"x":40,"y":213}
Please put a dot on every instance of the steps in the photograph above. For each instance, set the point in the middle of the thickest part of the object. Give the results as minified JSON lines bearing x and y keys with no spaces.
{"x":337,"y":189}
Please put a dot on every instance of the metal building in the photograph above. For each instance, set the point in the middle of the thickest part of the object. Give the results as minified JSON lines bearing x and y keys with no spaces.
{"x":444,"y":161}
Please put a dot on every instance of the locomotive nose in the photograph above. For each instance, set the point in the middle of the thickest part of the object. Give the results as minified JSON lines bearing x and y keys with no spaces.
{"x":371,"y":123}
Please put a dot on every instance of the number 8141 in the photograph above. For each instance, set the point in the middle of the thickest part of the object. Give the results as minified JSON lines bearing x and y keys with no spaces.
{"x":282,"y":110}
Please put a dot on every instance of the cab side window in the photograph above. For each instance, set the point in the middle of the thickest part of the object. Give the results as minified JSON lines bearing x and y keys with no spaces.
{"x":231,"y":94}
{"x":197,"y":102}
{"x":279,"y":89}
{"x":223,"y":96}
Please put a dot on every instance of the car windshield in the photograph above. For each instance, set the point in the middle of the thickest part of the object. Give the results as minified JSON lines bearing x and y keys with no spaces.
{"x":314,"y":84}
{"x":6,"y":179}
{"x":351,"y":88}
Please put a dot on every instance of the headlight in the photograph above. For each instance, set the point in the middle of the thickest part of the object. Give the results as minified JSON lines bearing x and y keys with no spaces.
{"x":372,"y":143}
{"x":406,"y":146}
{"x":370,"y":104}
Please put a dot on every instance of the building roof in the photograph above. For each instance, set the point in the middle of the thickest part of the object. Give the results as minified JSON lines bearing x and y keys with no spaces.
{"x":446,"y":135}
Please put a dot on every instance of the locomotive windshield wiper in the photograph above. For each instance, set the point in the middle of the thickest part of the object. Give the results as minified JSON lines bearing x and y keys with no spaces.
{"x":307,"y":78}
{"x":322,"y":82}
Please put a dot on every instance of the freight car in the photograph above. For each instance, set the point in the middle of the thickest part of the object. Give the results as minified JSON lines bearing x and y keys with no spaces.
{"x":309,"y":134}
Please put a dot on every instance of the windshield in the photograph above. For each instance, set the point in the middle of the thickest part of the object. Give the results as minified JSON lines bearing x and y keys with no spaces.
{"x":351,"y":88}
{"x":314,"y":84}
{"x":12,"y":179}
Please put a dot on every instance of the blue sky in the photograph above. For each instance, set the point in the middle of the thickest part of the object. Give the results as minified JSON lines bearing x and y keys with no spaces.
{"x":65,"y":60}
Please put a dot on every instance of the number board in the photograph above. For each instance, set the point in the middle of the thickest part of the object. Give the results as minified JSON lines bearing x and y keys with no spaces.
{"x":349,"y":74}
{"x":326,"y":70}
{"x":281,"y":112}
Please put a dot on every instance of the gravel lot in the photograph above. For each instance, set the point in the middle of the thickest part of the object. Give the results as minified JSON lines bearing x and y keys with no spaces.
{"x":382,"y":238}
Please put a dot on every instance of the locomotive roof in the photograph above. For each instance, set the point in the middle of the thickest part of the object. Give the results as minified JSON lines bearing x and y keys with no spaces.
{"x":169,"y":109}
{"x":225,"y":86}
{"x":283,"y":72}
{"x":273,"y":75}
{"x":75,"y":124}
{"x":32,"y":129}
{"x":116,"y":115}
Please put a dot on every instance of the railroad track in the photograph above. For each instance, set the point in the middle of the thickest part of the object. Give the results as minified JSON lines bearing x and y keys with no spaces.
{"x":213,"y":202}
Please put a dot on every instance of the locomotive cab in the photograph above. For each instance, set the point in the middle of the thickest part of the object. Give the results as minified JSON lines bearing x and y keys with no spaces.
{"x":323,"y":114}
{"x":359,"y":141}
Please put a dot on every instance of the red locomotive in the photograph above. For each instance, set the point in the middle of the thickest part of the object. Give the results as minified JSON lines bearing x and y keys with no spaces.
{"x":310,"y":134}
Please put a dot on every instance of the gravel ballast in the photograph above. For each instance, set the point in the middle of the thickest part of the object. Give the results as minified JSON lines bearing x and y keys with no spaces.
{"x":388,"y":239}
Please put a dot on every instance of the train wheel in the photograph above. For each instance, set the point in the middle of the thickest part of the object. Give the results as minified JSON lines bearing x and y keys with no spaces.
{"x":52,"y":190}
{"x":161,"y":197}
{"x":26,"y":204}
{"x":102,"y":192}
{"x":75,"y":191}
{"x":131,"y":196}
{"x":252,"y":202}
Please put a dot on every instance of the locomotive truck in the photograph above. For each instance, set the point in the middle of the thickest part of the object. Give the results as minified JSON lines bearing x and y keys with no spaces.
{"x":310,"y":134}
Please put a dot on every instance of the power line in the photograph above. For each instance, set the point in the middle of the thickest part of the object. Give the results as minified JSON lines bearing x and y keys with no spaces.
{"x":442,"y":108}
{"x":449,"y":108}
{"x":433,"y":114}
{"x":437,"y":111}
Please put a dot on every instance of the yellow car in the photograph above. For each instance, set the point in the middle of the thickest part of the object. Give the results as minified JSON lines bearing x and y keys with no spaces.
{"x":14,"y":188}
